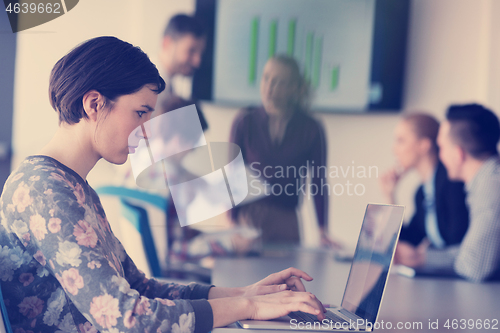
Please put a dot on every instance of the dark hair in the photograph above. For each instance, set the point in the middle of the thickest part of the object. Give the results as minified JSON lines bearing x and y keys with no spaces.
{"x":474,"y":128}
{"x":105,"y":64}
{"x":425,"y":126}
{"x":182,"y":24}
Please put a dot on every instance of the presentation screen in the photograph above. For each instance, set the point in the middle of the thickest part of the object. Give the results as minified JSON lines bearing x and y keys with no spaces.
{"x":350,"y":51}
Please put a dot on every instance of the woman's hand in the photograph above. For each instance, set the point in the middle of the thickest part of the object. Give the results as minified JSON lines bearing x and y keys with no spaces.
{"x":388,"y":183}
{"x":409,"y":255}
{"x":288,"y":279}
{"x":263,"y":307}
{"x":272,"y":306}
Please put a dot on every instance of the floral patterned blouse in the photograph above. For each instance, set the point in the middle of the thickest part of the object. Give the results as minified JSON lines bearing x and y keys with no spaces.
{"x":63,"y":270}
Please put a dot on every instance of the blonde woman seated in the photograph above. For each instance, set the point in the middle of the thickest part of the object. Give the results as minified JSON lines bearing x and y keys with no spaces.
{"x":441,"y":217}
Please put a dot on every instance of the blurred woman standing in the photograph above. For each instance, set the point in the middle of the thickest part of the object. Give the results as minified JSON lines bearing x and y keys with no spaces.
{"x":277,"y":139}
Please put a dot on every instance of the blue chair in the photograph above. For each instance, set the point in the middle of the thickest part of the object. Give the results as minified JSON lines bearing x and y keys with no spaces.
{"x":138,"y":216}
{"x":131,"y":209}
{"x":6,"y":322}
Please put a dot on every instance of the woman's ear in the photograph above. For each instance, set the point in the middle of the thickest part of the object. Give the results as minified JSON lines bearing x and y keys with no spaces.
{"x":93,"y":102}
{"x":425,"y":145}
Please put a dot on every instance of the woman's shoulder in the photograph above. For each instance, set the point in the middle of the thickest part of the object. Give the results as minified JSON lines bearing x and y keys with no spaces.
{"x":41,"y":176}
{"x":38,"y":167}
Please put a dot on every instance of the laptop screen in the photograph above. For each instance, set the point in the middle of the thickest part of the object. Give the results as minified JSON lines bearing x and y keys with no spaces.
{"x":370,"y":267}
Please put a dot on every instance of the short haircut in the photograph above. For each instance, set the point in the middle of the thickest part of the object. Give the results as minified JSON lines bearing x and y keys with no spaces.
{"x":182,"y":24}
{"x":424,"y":126}
{"x":105,"y":64}
{"x":474,"y":128}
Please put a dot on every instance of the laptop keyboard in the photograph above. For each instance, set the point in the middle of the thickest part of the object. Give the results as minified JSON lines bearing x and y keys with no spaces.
{"x":307,"y":317}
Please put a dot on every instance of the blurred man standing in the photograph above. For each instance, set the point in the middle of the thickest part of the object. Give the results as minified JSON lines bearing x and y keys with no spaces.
{"x":182,"y":48}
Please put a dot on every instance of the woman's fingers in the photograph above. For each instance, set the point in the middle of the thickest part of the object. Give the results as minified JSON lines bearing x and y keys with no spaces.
{"x":292,"y":277}
{"x":276,"y":305}
{"x":294,"y":283}
{"x":292,"y":271}
{"x":311,"y":302}
{"x":283,"y":276}
{"x":270,"y":289}
{"x":304,"y":307}
{"x":289,"y":278}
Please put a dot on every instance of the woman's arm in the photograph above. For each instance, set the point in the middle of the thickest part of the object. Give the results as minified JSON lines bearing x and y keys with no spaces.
{"x":274,"y":296}
{"x":82,"y":256}
{"x":153,"y":288}
{"x":288,"y":279}
{"x":264,"y":307}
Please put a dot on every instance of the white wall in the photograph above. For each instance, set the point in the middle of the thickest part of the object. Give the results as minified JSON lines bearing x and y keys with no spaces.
{"x":448,"y":54}
{"x":453,"y":56}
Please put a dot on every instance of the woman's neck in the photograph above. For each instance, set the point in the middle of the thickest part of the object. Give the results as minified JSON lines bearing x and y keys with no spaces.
{"x":427,"y":167}
{"x":71,"y":147}
{"x":279,"y":113}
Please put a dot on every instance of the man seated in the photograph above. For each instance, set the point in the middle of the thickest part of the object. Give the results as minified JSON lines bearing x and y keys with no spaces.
{"x":468,"y":142}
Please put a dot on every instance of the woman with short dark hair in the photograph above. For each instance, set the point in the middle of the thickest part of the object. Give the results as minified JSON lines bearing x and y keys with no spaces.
{"x":61,"y":267}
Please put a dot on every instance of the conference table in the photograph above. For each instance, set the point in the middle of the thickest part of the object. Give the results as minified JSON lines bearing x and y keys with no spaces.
{"x":410,"y":304}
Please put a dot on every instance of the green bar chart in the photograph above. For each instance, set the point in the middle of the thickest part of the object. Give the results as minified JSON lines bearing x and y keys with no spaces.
{"x":309,"y":55}
{"x":273,"y":31}
{"x":290,"y":47}
{"x":304,"y":45}
{"x":331,"y":40}
{"x":316,"y":70}
{"x":254,"y":41}
{"x":335,"y":78}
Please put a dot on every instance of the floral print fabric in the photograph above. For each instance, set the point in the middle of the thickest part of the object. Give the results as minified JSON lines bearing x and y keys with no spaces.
{"x":63,"y":270}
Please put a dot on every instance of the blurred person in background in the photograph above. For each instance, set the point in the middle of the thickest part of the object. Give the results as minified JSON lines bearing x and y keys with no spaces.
{"x":468,"y":142}
{"x":441,"y":217}
{"x":182,"y":49}
{"x":277,"y":139}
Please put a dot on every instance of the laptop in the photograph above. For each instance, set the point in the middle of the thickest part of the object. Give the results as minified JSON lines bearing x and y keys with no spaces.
{"x":366,"y":282}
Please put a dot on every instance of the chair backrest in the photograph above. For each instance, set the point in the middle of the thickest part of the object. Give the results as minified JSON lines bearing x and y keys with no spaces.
{"x":132,"y":209}
{"x":4,"y":320}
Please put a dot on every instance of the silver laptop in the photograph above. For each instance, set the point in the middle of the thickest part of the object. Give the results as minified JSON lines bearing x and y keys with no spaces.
{"x":366,"y":283}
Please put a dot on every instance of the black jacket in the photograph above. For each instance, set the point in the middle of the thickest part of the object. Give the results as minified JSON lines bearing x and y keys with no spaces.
{"x":451,"y":210}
